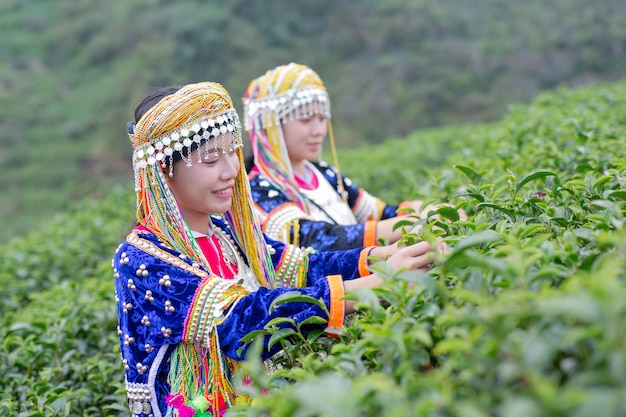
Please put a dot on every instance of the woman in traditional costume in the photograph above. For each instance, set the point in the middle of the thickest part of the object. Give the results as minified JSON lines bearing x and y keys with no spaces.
{"x":197,"y":273}
{"x":299,"y":198}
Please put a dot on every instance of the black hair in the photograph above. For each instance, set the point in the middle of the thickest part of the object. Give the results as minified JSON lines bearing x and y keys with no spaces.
{"x":147,"y":103}
{"x":249,"y":163}
{"x":153,"y":98}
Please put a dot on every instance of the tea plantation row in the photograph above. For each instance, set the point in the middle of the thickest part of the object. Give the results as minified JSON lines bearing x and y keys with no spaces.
{"x":525,"y":317}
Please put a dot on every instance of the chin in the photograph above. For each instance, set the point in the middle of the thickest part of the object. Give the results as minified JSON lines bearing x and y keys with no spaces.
{"x":220,"y":208}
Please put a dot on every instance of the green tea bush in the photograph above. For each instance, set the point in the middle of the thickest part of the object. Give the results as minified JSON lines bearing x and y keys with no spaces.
{"x":65,"y":247}
{"x":59,"y":355}
{"x":525,"y":317}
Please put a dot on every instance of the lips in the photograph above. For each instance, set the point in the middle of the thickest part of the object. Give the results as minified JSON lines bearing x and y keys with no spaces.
{"x":224,"y":191}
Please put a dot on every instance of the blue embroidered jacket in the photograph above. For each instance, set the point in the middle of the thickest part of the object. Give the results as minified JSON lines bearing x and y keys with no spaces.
{"x":157,"y":291}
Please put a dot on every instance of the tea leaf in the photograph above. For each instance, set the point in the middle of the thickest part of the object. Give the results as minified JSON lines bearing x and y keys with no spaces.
{"x":537,"y":173}
{"x":449,"y":213}
{"x":494,"y":206}
{"x":314,"y":320}
{"x":617,"y":194}
{"x":477,"y":239}
{"x":471,"y":174}
{"x":292,"y":297}
{"x":280,"y":335}
{"x":571,"y":306}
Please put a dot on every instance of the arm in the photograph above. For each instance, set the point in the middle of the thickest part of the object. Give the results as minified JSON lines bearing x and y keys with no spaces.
{"x":313,"y":265}
{"x":367,"y":207}
{"x":251,"y":312}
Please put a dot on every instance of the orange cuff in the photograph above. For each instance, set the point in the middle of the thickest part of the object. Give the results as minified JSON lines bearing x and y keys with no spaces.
{"x":337,"y":304}
{"x":369,"y":234}
{"x":363,"y":269}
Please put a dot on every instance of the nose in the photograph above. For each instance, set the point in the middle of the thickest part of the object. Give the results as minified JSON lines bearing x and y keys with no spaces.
{"x":229,"y":166}
{"x":319,"y":125}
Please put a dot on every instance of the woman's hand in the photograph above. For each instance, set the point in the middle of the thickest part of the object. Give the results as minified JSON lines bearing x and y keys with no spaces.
{"x":419,"y":256}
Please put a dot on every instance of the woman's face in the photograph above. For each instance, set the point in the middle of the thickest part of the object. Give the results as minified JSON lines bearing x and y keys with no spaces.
{"x":206,"y":187}
{"x":304,"y":137}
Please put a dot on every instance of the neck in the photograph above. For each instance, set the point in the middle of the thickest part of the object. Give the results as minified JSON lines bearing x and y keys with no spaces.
{"x":299,"y":168}
{"x":198,"y":222}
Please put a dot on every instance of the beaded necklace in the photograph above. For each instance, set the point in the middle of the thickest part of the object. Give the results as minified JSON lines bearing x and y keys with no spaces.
{"x":244,"y":274}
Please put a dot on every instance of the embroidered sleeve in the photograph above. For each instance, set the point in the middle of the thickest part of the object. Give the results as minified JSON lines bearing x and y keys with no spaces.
{"x":293,"y":266}
{"x":280,"y":222}
{"x":252,"y":313}
{"x":344,"y":263}
{"x":368,"y":207}
{"x":211,"y":299}
{"x":323,"y":236}
{"x":320,"y":264}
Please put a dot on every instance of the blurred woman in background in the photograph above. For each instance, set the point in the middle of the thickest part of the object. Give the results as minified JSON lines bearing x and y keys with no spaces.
{"x":299,"y":198}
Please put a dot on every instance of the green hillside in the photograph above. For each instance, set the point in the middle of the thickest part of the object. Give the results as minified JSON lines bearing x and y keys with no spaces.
{"x":525,"y":317}
{"x":71,"y":71}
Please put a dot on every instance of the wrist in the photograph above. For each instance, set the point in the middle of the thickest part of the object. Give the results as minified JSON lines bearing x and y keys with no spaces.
{"x":384,"y":252}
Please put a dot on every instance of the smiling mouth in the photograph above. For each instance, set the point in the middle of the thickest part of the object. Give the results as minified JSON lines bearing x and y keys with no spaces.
{"x":224,"y":191}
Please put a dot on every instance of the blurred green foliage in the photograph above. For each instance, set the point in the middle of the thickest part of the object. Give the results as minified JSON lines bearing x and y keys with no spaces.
{"x":71,"y":71}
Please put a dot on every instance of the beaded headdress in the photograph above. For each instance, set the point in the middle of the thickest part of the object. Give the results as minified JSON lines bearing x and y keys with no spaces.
{"x":195,"y":116}
{"x":291,"y":91}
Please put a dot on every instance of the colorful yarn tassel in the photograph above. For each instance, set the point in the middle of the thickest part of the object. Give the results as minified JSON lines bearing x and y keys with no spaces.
{"x":177,"y":401}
